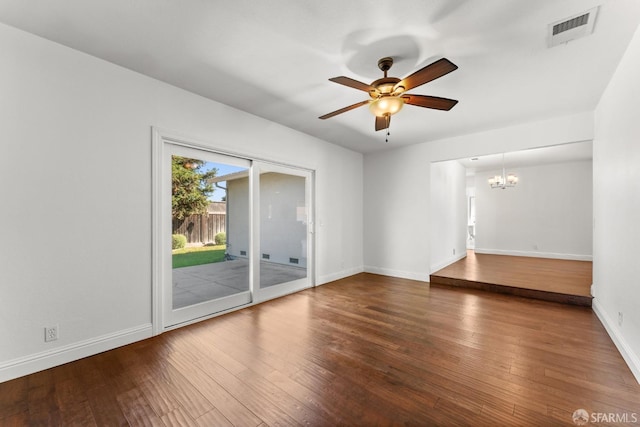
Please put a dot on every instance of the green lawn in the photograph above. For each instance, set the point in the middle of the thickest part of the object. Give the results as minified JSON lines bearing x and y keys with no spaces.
{"x":187,"y":257}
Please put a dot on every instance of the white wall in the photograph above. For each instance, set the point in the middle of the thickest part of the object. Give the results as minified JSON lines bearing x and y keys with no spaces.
{"x":616,"y":207}
{"x":396,"y":217}
{"x":448,"y":203}
{"x":547,"y":214}
{"x":397,"y":239}
{"x":76,"y":192}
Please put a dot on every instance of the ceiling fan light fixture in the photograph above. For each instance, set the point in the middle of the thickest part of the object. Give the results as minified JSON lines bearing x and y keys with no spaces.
{"x":386,"y":106}
{"x":388,"y":93}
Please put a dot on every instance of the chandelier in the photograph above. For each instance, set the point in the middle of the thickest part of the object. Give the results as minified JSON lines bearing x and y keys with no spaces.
{"x":503,"y":181}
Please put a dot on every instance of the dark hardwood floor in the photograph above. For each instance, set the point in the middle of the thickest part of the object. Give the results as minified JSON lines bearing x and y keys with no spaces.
{"x":557,"y":280}
{"x":363,"y":351}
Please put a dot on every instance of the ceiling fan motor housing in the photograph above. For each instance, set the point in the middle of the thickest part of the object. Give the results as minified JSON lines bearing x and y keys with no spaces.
{"x":383,"y":86}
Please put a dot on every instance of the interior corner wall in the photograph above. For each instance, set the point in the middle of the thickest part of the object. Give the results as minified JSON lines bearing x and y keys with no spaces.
{"x":396,"y":220}
{"x":397,"y":213}
{"x":548,"y":214}
{"x":448,"y":203}
{"x":616,"y":207}
{"x":76,"y":173}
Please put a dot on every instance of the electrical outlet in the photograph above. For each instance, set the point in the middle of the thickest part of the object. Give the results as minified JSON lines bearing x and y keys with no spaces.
{"x":619,"y":318}
{"x":51,"y":333}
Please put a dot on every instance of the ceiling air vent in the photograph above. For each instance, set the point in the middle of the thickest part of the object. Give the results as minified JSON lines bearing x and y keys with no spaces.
{"x":571,"y":28}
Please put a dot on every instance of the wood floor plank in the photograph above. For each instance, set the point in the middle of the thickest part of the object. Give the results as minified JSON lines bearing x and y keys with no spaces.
{"x":214,"y":418}
{"x":75,"y":409}
{"x":105,"y":407}
{"x":263,"y":375}
{"x":255,"y":400}
{"x":160,"y":398}
{"x":180,"y":418}
{"x":365,"y":350}
{"x":222,"y":400}
{"x":183,"y":389}
{"x":43,"y":409}
{"x":14,"y":401}
{"x":137,"y":410}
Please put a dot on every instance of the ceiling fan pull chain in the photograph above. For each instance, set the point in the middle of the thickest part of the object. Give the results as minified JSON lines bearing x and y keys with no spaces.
{"x":388,"y":127}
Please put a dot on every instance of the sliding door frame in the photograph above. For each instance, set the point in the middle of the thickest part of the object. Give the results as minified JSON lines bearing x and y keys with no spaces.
{"x":262,"y":293}
{"x":176,"y":316}
{"x":162,"y":137}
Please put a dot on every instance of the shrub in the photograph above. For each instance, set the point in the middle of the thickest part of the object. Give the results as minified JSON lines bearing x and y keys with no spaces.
{"x":221,"y":238}
{"x":178,"y":241}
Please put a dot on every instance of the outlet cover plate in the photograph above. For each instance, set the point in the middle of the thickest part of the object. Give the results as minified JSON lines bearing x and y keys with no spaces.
{"x":51,"y":333}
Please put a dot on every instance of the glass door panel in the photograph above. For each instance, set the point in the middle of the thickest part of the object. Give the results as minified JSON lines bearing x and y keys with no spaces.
{"x":209,"y":245}
{"x":284,"y":224}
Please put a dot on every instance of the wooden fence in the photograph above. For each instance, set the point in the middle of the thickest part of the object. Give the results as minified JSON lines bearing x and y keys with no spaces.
{"x":202,"y":228}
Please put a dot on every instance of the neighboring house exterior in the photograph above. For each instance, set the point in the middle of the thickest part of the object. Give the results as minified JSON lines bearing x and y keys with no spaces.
{"x":283,"y":217}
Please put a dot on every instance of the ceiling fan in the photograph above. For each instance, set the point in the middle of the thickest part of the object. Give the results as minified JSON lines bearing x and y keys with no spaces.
{"x":388,"y":93}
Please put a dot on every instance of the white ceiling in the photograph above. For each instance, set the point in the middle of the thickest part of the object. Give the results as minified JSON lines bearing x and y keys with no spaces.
{"x":272,"y":58}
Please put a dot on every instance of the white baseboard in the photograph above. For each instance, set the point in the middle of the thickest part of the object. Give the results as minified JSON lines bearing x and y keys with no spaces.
{"x":629,"y":356}
{"x":422,"y":277}
{"x":535,"y":254}
{"x":450,"y":261}
{"x":58,"y":356}
{"x":338,"y":275}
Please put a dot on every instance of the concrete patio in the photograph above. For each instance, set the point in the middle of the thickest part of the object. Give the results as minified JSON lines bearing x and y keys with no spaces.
{"x":192,"y":285}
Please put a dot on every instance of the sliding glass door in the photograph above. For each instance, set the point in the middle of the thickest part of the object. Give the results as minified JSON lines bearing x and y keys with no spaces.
{"x":205,"y":277}
{"x":232,"y":231}
{"x":283,"y":216}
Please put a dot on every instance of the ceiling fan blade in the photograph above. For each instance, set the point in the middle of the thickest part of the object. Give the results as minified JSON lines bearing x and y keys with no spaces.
{"x":426,"y":74}
{"x":343,"y":110}
{"x":382,"y":122}
{"x":434,"y":102}
{"x":353,"y":83}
